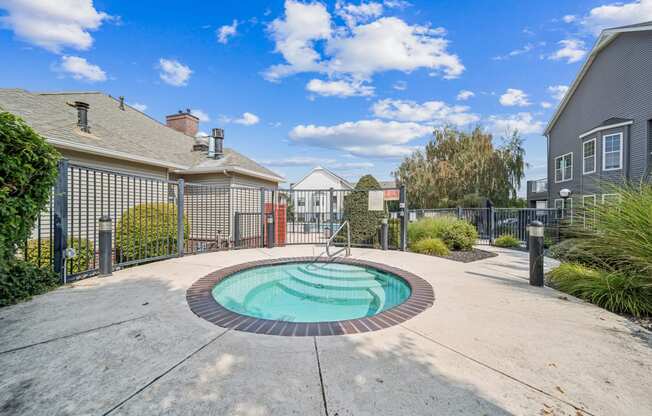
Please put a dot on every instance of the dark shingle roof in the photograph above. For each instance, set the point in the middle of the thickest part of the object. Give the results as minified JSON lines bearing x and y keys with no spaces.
{"x":129,"y":132}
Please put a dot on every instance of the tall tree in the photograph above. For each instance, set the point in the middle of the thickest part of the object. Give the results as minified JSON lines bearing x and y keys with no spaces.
{"x":457,"y":166}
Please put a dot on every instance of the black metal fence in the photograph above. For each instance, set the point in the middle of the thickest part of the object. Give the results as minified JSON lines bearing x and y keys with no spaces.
{"x":492,"y":223}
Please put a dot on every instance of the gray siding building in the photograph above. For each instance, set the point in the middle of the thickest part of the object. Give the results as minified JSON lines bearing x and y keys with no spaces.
{"x":602,"y":129}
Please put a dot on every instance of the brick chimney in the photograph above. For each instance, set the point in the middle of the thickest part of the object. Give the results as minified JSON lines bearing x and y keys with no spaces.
{"x":184,"y":122}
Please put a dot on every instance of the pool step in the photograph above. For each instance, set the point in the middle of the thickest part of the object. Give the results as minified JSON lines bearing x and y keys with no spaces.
{"x":330,"y":296}
{"x":342,"y":275}
{"x":320,"y":282}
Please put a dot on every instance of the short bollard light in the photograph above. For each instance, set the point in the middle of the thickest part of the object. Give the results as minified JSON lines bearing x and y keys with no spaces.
{"x":270,"y":232}
{"x":535,"y":242}
{"x":105,"y":240}
{"x":384,"y":234}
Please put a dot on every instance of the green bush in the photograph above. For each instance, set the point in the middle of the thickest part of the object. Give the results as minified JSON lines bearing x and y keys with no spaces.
{"x":148,"y":230}
{"x":457,"y":234}
{"x":572,"y":251}
{"x":20,"y":280}
{"x":364,"y":223}
{"x":432,"y":246}
{"x":460,"y":235}
{"x":83,"y":260}
{"x":621,"y":233}
{"x":28,"y":169}
{"x":428,"y":228}
{"x":507,"y":241}
{"x":614,"y":291}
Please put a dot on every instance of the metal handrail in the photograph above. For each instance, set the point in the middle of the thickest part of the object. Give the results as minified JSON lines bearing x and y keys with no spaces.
{"x":348,"y":240}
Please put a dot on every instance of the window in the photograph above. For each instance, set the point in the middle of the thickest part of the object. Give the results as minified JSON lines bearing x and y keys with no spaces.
{"x":564,"y":167}
{"x":302,"y":201}
{"x":612,"y":151}
{"x":588,"y":156}
{"x":317,"y":202}
{"x":610,"y":198}
{"x":541,"y":204}
{"x":334,"y":200}
{"x":589,"y":202}
{"x":566,"y":207}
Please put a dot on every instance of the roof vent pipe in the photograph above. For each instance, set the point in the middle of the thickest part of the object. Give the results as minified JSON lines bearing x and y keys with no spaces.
{"x":122,"y":103}
{"x":217,"y":137}
{"x":82,"y":116}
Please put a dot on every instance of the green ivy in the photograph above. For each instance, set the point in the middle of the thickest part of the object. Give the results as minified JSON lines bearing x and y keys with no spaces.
{"x":364,"y":223}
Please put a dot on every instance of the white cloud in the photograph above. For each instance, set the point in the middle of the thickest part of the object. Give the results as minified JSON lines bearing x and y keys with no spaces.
{"x":53,"y":25}
{"x":80,"y":69}
{"x":391,"y":44}
{"x":353,"y":14}
{"x":397,"y":4}
{"x":400,"y":86}
{"x":340,"y":88}
{"x":174,"y":72}
{"x":140,"y":107}
{"x":569,"y":18}
{"x":433,"y":112}
{"x":227,"y":31}
{"x":545,"y":104}
{"x":525,"y":49}
{"x":246,"y":119}
{"x":514,"y":97}
{"x":464,"y":95}
{"x":359,"y":51}
{"x":295,"y":36}
{"x":201,"y":115}
{"x":316,"y":161}
{"x":363,"y":138}
{"x":523,"y":122}
{"x":558,"y":91}
{"x":617,"y":14}
{"x":572,"y":50}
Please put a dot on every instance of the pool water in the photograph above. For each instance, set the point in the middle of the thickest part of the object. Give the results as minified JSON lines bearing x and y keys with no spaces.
{"x":311,"y":292}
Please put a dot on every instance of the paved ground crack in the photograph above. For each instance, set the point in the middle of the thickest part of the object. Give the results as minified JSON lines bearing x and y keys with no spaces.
{"x":504,"y":374}
{"x":163,"y":374}
{"x":74,"y":334}
{"x":321,"y":378}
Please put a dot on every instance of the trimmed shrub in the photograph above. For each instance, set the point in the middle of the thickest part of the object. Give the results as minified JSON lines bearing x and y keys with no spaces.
{"x":460,"y":235}
{"x":614,"y":291}
{"x":20,"y":280}
{"x":507,"y":241}
{"x":148,"y":230}
{"x":428,"y":228}
{"x":83,"y":260}
{"x":431,"y":246}
{"x":28,"y":169}
{"x":456,"y":234}
{"x":364,"y":223}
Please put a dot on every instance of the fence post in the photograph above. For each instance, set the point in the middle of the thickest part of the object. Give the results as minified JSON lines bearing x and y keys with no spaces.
{"x":60,"y":218}
{"x":459,"y":213}
{"x":403,"y":212}
{"x":180,"y":229}
{"x":332,"y":210}
{"x":270,"y":231}
{"x":262,"y":217}
{"x":272,"y":236}
{"x":492,"y":224}
{"x":236,"y":229}
{"x":384,"y":234}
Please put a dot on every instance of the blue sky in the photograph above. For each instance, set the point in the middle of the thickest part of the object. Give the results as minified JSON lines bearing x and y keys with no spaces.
{"x":352,"y":86}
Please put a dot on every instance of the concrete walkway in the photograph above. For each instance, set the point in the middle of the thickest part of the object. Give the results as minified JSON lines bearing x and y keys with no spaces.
{"x":490,"y":345}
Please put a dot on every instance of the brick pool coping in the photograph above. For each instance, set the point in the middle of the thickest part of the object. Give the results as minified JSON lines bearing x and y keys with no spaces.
{"x":201,"y":303}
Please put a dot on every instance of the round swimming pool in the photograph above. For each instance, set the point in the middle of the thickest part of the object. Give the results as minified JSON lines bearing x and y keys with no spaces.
{"x":311,"y":292}
{"x":298,"y":296}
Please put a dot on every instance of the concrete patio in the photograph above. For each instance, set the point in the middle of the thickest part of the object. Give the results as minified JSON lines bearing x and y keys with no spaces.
{"x":491,"y":345}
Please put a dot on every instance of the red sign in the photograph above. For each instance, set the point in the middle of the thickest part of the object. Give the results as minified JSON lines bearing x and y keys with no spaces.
{"x":392,"y":194}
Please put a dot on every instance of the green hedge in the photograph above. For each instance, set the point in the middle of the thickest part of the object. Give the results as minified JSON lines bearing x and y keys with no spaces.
{"x":456,"y":234}
{"x":364,"y":224}
{"x":431,"y":246}
{"x":20,"y":280}
{"x":82,"y":262}
{"x":148,"y":230}
{"x":507,"y":241}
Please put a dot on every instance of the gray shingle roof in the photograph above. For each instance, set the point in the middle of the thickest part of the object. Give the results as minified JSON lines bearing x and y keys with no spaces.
{"x":130,"y":131}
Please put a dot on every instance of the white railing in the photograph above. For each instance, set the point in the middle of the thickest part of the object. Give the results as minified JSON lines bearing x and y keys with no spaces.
{"x":346,"y":248}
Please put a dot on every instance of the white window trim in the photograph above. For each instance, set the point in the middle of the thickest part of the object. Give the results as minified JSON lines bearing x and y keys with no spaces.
{"x":572,"y":162}
{"x":595,"y":202}
{"x":604,"y":148}
{"x":602,"y":128}
{"x":606,"y":195}
{"x":595,"y":156}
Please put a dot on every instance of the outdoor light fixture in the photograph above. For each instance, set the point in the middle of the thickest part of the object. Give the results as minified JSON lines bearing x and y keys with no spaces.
{"x":565,"y":193}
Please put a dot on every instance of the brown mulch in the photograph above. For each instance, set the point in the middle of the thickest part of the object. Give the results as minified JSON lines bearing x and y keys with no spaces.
{"x":468,"y":256}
